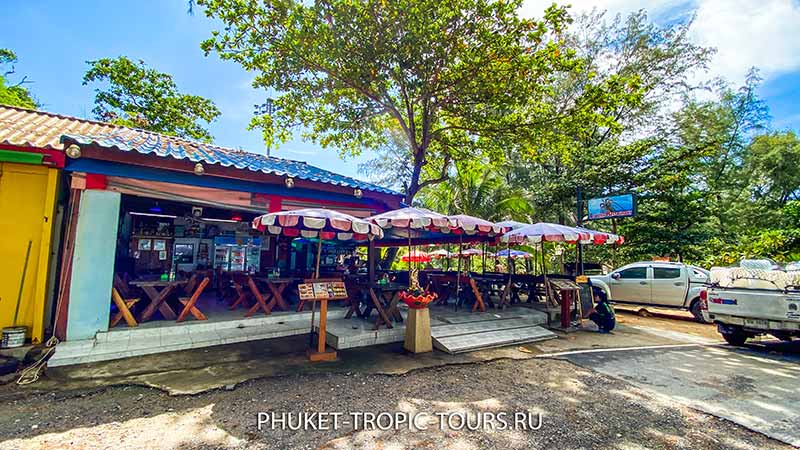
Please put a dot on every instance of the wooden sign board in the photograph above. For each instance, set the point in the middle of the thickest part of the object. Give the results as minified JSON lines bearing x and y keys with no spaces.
{"x":322,"y":290}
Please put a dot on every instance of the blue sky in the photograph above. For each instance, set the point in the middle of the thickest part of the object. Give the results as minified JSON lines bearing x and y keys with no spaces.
{"x":54,"y":39}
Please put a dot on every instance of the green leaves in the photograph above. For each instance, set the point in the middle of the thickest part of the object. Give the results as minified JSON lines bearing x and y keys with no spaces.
{"x":13,"y":94}
{"x":348,"y":72}
{"x":137,"y":96}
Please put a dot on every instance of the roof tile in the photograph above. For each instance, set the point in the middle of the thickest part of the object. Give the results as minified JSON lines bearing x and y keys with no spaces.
{"x":27,"y":128}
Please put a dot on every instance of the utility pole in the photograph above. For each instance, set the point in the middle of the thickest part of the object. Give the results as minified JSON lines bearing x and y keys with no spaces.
{"x":579,"y":221}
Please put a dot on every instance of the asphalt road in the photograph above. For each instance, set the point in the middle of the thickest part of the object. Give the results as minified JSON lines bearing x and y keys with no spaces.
{"x":757,"y":386}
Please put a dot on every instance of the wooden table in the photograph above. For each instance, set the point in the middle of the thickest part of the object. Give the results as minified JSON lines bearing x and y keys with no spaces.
{"x":268,"y":301}
{"x":158,"y":291}
{"x":384,"y":298}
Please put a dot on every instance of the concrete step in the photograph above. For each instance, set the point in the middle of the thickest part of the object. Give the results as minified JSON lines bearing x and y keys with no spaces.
{"x":125,"y":343}
{"x":461,"y":343}
{"x":443,"y":331}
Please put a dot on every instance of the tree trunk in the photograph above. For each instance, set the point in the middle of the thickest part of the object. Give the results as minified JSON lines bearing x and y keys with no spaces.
{"x":411,"y":192}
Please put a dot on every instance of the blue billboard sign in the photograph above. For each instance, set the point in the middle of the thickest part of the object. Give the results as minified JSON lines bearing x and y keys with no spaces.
{"x":612,"y":206}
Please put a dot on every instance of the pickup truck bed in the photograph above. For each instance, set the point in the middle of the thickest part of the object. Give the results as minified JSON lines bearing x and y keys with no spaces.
{"x":741,"y":313}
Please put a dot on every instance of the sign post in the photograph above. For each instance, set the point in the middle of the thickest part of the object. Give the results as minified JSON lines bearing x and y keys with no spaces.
{"x":322,"y":290}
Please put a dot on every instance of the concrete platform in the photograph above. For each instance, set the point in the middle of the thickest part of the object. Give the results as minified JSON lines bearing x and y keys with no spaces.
{"x":166,"y":336}
{"x":450,"y":325}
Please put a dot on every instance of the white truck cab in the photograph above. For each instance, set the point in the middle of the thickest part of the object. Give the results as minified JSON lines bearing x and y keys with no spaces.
{"x":650,"y":283}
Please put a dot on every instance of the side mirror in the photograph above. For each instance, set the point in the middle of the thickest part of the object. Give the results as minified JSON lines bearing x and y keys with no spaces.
{"x":615,"y":275}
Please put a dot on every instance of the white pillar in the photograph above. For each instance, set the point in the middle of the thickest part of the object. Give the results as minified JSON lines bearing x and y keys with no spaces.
{"x":93,"y":264}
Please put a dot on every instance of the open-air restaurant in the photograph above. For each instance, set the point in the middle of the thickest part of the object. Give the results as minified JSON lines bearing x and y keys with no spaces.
{"x":171,"y":244}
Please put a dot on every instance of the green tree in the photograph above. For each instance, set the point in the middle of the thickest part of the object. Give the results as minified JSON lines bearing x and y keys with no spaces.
{"x":13,"y":94}
{"x":137,"y":96}
{"x":772,"y":161}
{"x":478,"y":189}
{"x":601,"y":148}
{"x":445,"y":73}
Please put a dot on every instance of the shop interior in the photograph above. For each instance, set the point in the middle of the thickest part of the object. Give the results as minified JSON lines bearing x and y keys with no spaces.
{"x":167,"y":248}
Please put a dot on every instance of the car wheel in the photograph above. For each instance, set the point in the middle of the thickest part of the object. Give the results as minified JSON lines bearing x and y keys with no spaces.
{"x":737,"y":338}
{"x":697,"y":313}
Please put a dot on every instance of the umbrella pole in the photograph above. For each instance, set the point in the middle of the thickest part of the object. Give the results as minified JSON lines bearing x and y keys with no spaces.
{"x":314,"y":300}
{"x":458,"y":270}
{"x":483,"y":258}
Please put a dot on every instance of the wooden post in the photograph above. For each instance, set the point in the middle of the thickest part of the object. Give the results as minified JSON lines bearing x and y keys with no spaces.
{"x":371,"y":261}
{"x":418,"y":331}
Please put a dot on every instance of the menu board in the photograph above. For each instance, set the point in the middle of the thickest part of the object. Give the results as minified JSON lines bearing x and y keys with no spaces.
{"x":327,"y":290}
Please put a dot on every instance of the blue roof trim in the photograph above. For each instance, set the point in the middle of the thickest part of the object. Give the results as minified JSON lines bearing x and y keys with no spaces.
{"x":146,"y":143}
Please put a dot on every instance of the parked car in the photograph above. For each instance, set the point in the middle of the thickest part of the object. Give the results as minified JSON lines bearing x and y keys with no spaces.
{"x":746,"y":303}
{"x":649,"y":283}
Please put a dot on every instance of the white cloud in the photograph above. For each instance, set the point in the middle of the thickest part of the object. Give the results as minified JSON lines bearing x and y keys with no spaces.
{"x":746,"y":33}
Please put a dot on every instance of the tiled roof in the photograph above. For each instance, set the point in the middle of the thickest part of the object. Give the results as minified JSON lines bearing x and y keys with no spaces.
{"x":27,"y":128}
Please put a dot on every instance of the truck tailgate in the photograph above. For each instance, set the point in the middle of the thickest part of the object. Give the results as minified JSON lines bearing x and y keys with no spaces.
{"x":754,"y":303}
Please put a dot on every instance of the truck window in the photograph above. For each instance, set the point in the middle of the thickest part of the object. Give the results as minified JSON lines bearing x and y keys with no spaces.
{"x":634,"y":272}
{"x":663,"y":273}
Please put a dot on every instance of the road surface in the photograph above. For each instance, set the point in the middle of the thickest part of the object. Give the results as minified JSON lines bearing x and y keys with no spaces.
{"x":757,"y":386}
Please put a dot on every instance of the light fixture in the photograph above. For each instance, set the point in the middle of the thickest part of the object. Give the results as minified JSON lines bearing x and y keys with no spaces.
{"x":156,"y":208}
{"x":358,"y":193}
{"x":236,"y":218}
{"x":199,"y":169}
{"x":166,"y":216}
{"x":220,"y":220}
{"x":73,"y":151}
{"x":289,"y":183}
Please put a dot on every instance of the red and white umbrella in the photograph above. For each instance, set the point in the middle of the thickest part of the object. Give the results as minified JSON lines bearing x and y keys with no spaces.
{"x":416,"y":256}
{"x":441,"y":253}
{"x":474,"y":225}
{"x":511,"y":224}
{"x":600,"y":237}
{"x":467,"y":253}
{"x":413,"y":218}
{"x":317,"y":223}
{"x":545,"y":232}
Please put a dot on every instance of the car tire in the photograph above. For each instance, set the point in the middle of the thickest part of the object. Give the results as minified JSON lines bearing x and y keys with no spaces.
{"x":697,"y":313}
{"x":737,"y":338}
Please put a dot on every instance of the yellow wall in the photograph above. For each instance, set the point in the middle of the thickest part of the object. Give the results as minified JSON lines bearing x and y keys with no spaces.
{"x":27,"y":207}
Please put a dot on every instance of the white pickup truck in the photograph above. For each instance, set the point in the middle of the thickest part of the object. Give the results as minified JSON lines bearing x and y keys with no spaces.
{"x":652,"y":283}
{"x":746,"y":303}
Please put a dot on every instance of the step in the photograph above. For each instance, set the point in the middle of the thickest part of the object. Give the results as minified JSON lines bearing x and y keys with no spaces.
{"x":129,"y":343}
{"x":443,"y":331}
{"x":491,"y":339}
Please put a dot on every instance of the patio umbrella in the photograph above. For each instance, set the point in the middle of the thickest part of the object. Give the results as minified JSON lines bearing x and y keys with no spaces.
{"x":511,"y":224}
{"x":542,"y":232}
{"x":438,"y":254}
{"x":545,"y":232}
{"x":513,"y":254}
{"x":472,"y":225}
{"x":416,"y":256}
{"x":600,"y":237}
{"x":317,"y":223}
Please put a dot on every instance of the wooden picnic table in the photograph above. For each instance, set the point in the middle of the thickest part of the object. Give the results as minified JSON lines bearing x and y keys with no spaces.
{"x":158,"y":291}
{"x":268,"y":300}
{"x":444,"y":284}
{"x":384,"y":299}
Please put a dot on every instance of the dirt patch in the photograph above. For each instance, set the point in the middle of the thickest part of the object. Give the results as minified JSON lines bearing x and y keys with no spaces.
{"x":579,"y":409}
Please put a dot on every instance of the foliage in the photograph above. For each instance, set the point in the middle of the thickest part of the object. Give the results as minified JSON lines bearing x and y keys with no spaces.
{"x":137,"y":96}
{"x":15,"y":94}
{"x":460,"y":79}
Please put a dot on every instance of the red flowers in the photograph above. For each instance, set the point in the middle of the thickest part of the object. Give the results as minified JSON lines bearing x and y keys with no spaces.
{"x":420,"y":301}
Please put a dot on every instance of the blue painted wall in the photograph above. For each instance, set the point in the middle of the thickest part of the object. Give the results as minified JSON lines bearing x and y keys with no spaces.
{"x":93,"y":264}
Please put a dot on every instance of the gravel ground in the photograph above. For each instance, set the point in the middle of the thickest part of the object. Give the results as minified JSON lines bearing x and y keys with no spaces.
{"x":579,"y":409}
